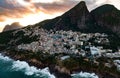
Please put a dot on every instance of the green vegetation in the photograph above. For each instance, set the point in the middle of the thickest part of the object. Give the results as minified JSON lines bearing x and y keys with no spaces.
{"x":70,"y":63}
{"x":106,"y":19}
{"x":114,"y":42}
{"x":18,"y":38}
{"x":5,"y":37}
{"x":45,"y":58}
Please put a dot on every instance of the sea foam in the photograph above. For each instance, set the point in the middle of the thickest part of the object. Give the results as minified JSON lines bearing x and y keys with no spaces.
{"x":31,"y":70}
{"x":39,"y":73}
{"x":26,"y":68}
{"x":5,"y":58}
{"x":84,"y":75}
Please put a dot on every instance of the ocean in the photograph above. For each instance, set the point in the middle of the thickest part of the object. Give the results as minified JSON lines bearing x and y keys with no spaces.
{"x":10,"y":68}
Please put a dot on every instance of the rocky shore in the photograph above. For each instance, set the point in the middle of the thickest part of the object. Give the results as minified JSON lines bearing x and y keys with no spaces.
{"x":61,"y":72}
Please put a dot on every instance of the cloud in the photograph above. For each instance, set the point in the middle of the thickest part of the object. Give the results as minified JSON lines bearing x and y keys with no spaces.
{"x":21,"y":8}
{"x":92,"y":4}
{"x":28,"y":0}
{"x":14,"y":10}
{"x":56,"y":7}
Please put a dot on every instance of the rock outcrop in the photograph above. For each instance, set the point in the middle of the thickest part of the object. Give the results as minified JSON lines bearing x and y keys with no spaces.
{"x":74,"y":19}
{"x":107,"y":17}
{"x":13,"y":26}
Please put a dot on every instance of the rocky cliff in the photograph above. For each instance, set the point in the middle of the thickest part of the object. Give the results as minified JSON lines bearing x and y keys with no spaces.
{"x":75,"y":19}
{"x":107,"y":17}
{"x":13,"y":26}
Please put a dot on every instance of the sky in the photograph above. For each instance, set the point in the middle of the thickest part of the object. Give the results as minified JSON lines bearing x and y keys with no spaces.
{"x":28,"y":12}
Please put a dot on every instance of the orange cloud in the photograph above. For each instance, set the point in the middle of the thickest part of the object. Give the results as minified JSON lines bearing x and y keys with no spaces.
{"x":32,"y":11}
{"x":2,"y":19}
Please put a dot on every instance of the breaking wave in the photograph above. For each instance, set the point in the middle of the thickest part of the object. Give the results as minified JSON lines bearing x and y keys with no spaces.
{"x":84,"y":75}
{"x":5,"y":58}
{"x":31,"y":70}
{"x":22,"y":66}
{"x":21,"y":69}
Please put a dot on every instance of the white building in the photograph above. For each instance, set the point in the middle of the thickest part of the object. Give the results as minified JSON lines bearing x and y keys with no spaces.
{"x":95,"y":51}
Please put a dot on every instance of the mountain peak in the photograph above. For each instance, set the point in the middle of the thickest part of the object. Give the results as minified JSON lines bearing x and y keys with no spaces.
{"x":107,"y":8}
{"x":105,"y":18}
{"x":80,"y":6}
{"x":75,"y":18}
{"x":82,"y":3}
{"x":13,"y":26}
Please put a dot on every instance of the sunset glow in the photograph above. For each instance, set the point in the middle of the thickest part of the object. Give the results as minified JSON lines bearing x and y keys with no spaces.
{"x":28,"y":12}
{"x":44,"y":1}
{"x":29,"y":19}
{"x":35,"y":18}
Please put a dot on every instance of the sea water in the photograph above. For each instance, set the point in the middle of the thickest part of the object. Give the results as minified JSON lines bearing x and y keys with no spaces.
{"x":10,"y":68}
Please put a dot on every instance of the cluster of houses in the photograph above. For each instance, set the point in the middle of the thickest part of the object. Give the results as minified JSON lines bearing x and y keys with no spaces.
{"x":69,"y":42}
{"x":64,"y":42}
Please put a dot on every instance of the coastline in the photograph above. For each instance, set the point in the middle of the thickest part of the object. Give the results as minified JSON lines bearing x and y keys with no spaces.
{"x":62,"y":72}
